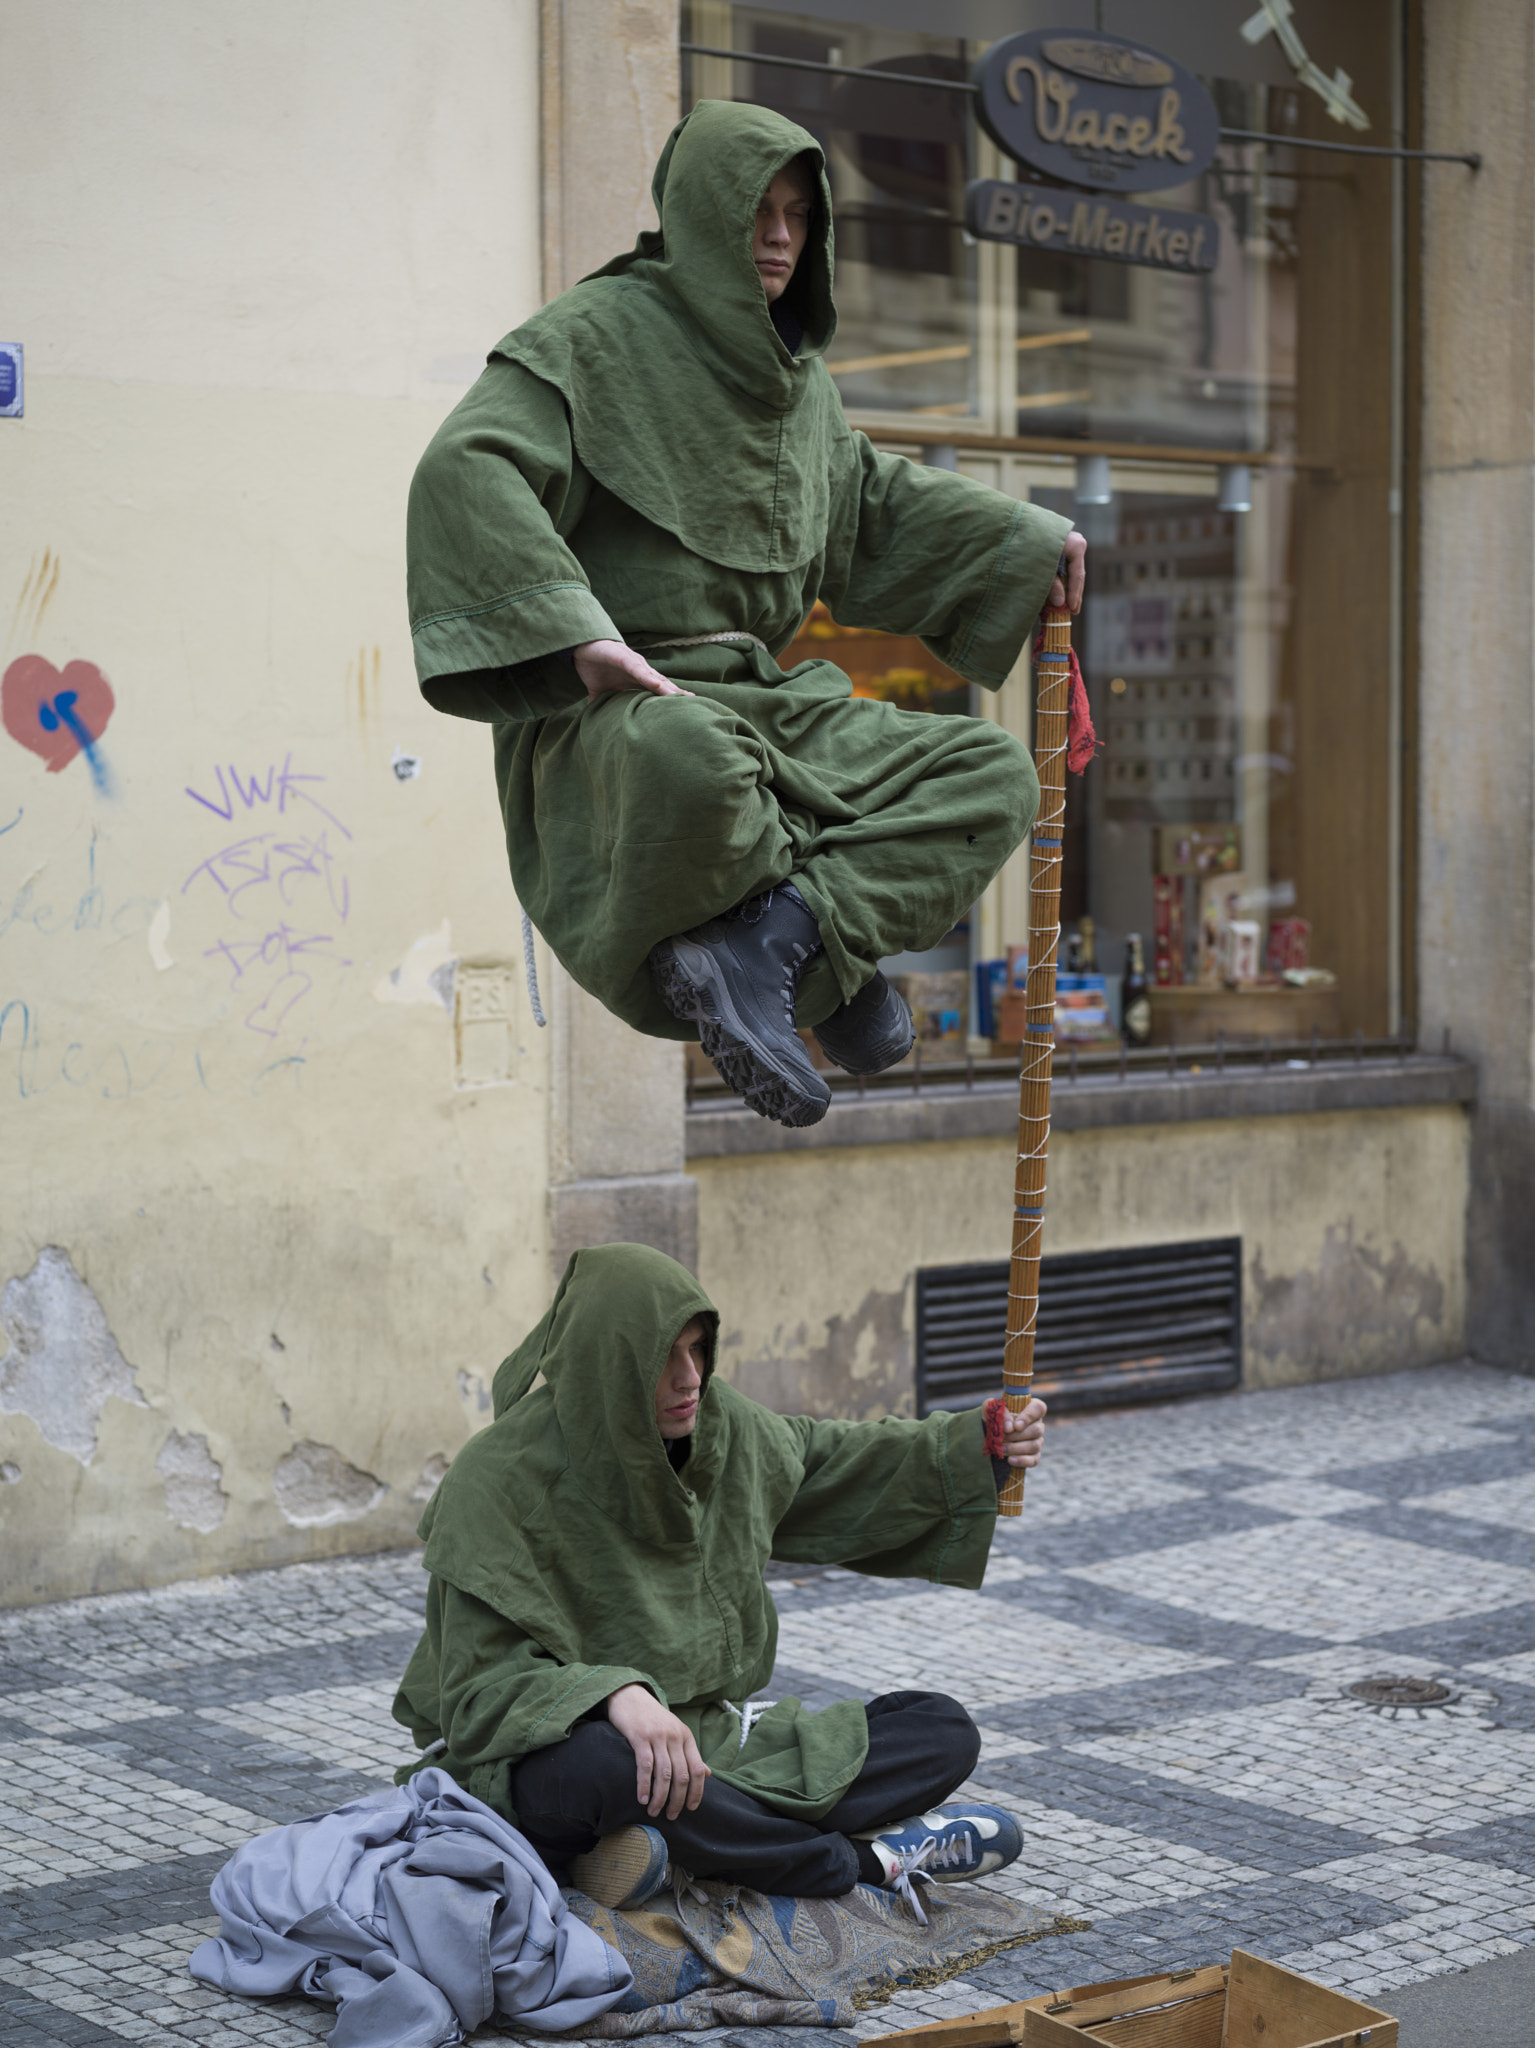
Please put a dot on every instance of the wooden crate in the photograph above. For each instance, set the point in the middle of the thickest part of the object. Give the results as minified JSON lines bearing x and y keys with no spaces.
{"x":1247,"y":2003}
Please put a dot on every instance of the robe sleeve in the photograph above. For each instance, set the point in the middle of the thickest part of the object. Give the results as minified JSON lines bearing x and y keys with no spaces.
{"x":494,"y":589}
{"x":477,"y":1683}
{"x":913,"y":549}
{"x":896,"y":1499}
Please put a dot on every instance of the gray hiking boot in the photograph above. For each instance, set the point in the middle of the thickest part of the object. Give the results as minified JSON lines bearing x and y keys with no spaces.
{"x":736,"y":978}
{"x":871,"y":1032}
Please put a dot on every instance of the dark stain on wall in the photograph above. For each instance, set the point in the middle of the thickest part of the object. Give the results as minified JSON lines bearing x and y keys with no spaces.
{"x":1354,"y":1311}
{"x":861,"y":1365}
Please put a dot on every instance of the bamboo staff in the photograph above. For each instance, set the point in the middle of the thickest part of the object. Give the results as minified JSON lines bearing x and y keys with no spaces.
{"x":1052,"y":663}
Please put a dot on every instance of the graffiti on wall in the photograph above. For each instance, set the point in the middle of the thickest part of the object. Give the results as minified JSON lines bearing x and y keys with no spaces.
{"x":282,"y":894}
{"x":58,"y":714}
{"x":269,"y":901}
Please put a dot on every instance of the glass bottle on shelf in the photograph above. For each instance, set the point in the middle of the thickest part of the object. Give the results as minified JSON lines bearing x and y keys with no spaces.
{"x":1135,"y":994}
{"x":1087,"y":936}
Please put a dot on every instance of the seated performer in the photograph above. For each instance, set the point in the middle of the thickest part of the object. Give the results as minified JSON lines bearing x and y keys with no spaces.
{"x":610,"y":539}
{"x":597,"y":1618}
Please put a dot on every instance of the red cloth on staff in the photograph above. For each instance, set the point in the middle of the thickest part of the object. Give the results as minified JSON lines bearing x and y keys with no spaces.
{"x":1081,"y":741}
{"x":995,"y":1410}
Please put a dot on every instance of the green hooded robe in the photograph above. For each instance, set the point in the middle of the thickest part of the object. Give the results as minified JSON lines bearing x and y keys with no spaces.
{"x":569,"y":1557}
{"x":646,"y":459}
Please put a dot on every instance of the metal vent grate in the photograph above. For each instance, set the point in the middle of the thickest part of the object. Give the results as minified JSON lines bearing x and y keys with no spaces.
{"x":1113,"y":1326}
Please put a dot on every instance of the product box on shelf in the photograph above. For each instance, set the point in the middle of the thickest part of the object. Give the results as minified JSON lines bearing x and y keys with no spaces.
{"x":940,"y":1010}
{"x":1082,"y":1011}
{"x":1168,"y":940}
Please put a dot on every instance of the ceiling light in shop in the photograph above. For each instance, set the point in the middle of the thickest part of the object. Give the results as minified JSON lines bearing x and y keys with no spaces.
{"x":1094,"y":484}
{"x":1236,"y":488}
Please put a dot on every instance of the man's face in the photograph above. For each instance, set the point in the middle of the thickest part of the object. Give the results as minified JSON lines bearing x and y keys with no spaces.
{"x":681,"y":1382}
{"x":783,"y":222}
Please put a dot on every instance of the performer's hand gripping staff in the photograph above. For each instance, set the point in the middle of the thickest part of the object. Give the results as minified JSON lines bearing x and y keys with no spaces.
{"x":1062,"y":732}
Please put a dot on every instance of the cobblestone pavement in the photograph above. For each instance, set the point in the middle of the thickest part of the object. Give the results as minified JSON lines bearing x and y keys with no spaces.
{"x":1159,"y":1661}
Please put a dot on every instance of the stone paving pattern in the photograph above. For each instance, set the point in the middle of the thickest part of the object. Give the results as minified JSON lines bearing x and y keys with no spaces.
{"x":1159,"y":1662}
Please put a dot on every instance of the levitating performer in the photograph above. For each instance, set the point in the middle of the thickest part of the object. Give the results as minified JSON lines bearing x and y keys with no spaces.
{"x":612,"y":538}
{"x":598,"y":1621}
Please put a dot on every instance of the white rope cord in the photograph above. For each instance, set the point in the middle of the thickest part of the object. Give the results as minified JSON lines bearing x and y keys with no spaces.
{"x":699,"y":640}
{"x":531,"y":965}
{"x":1044,"y":948}
{"x":748,"y":1715}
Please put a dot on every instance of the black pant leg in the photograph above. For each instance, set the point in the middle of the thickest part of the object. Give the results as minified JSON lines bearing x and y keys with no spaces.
{"x":921,"y":1745}
{"x":567,"y":1797}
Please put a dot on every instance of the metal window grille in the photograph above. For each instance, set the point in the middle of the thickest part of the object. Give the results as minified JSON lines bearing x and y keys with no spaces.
{"x":1113,"y":1326}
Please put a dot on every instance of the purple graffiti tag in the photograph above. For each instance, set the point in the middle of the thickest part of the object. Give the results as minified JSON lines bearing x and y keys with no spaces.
{"x":284,"y":783}
{"x":263,"y":858}
{"x":266,"y":878}
{"x":281,"y":948}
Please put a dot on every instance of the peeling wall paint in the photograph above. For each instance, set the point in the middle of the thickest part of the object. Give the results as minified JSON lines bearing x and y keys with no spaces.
{"x":199,"y":1097}
{"x":433,"y":1473}
{"x":63,"y":1364}
{"x":858,"y":1364}
{"x":316,"y":1486}
{"x":426,"y":974}
{"x":194,"y":1499}
{"x":1388,"y":1303}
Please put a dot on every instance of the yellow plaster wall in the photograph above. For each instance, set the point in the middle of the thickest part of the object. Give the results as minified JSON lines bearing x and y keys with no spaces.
{"x":1353,"y":1249}
{"x":255,"y":254}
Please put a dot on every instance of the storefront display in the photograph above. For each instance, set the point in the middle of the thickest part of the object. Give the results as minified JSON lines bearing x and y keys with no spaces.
{"x":1228,"y":437}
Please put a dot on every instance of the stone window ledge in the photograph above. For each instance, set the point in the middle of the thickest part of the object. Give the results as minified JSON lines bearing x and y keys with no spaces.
{"x":947,"y":1110}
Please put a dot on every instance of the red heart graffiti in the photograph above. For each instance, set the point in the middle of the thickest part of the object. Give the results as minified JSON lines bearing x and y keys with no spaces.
{"x":55,"y":714}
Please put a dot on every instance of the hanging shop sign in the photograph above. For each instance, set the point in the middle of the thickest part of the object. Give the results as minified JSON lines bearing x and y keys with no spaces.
{"x":1100,"y":112}
{"x":1096,"y":110}
{"x":1084,"y":224}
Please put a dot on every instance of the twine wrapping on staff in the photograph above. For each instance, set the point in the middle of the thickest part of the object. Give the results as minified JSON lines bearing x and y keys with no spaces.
{"x":1060,"y":722}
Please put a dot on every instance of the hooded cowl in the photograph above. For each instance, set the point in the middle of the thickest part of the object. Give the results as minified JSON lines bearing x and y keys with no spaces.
{"x":684,"y":400}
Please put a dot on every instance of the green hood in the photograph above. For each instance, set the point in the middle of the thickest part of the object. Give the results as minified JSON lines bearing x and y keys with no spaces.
{"x":601,"y":1347}
{"x":684,"y":401}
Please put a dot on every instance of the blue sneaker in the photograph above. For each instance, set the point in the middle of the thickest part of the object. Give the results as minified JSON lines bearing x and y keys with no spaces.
{"x":946,"y":1844}
{"x":625,"y":1869}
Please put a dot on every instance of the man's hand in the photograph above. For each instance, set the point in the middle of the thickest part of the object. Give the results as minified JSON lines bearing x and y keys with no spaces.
{"x":1068,"y":593}
{"x":1023,"y":1434}
{"x":670,"y":1771}
{"x":606,"y":665}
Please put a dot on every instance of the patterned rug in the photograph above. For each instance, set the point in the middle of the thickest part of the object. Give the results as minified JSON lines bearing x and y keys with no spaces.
{"x":742,"y":1958}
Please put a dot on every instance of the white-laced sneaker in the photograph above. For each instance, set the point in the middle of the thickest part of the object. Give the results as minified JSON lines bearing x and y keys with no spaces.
{"x":946,"y":1844}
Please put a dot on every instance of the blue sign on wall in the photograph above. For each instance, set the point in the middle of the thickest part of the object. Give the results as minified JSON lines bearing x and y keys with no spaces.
{"x":1096,"y":110}
{"x":11,"y":388}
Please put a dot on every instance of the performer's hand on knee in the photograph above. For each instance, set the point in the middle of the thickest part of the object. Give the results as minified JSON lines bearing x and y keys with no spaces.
{"x":1023,"y":1434}
{"x":1074,"y":560}
{"x":608,"y":665}
{"x":669,"y":1772}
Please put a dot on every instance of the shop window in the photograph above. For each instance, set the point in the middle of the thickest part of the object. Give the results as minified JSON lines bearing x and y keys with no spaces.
{"x":1241,"y":486}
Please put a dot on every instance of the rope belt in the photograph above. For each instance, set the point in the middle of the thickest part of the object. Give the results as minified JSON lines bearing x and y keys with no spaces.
{"x":748,"y":1714}
{"x":698,"y":640}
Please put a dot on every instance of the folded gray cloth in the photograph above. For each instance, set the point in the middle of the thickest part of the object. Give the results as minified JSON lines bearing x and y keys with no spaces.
{"x":419,"y":1912}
